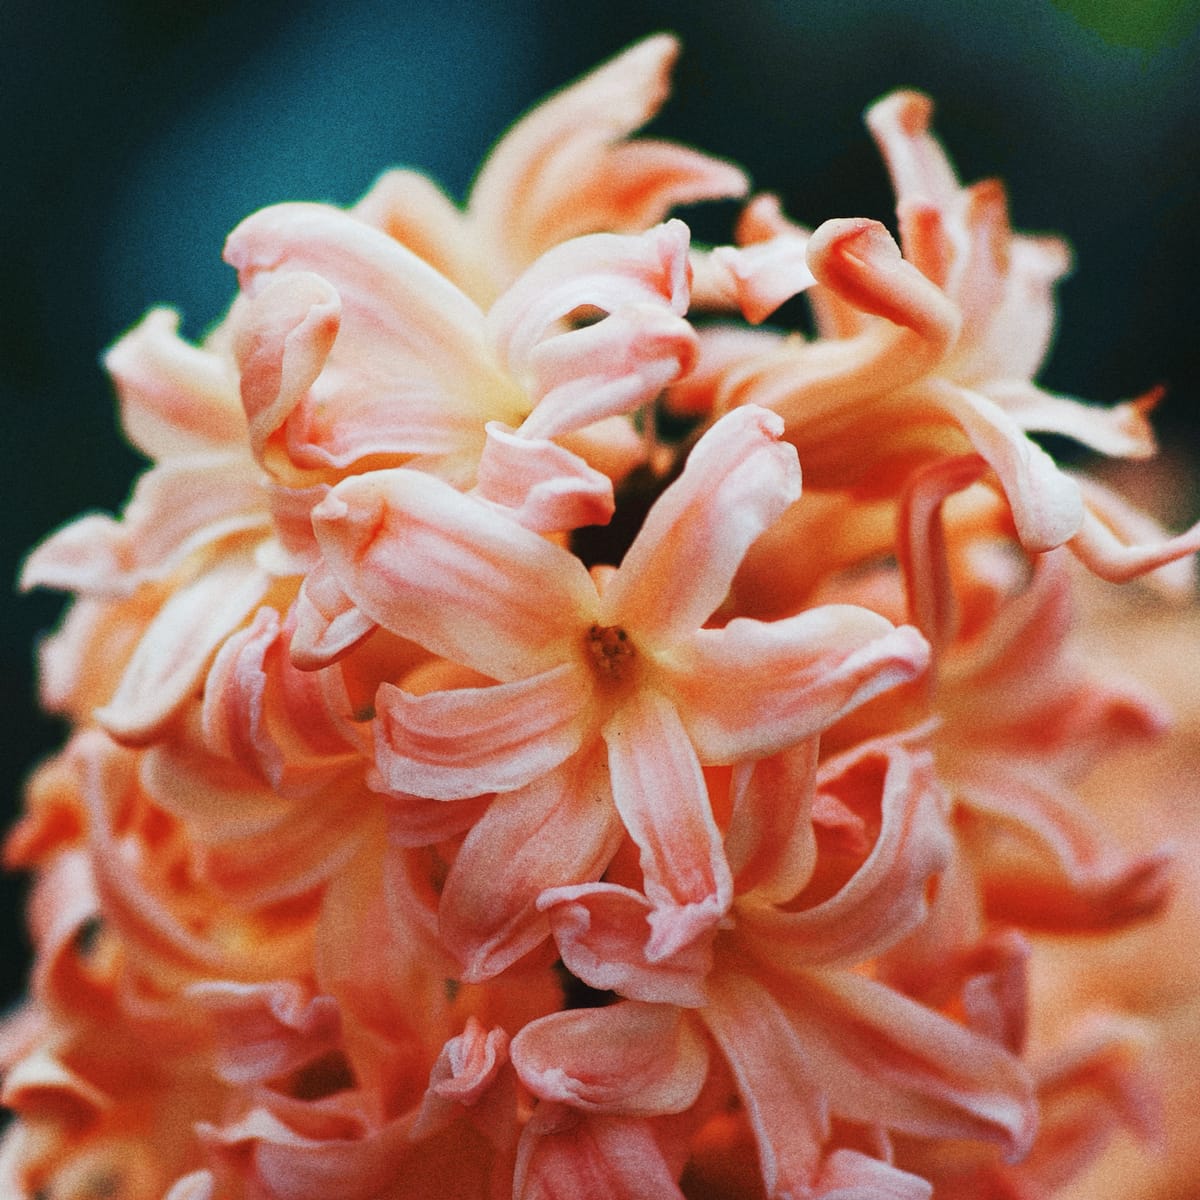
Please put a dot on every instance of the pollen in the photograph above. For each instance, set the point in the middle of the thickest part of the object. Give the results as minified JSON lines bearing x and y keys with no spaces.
{"x":611,"y":649}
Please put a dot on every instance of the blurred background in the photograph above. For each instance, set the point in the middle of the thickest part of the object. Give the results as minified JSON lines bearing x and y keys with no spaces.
{"x":135,"y":134}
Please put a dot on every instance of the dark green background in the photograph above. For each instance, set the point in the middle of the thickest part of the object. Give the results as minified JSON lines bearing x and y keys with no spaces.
{"x":135,"y":135}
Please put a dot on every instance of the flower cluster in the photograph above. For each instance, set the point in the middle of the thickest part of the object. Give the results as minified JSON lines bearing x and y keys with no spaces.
{"x":491,"y":775}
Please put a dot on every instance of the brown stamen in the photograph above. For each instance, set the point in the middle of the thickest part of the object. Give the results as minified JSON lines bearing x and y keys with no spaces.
{"x":611,"y":649}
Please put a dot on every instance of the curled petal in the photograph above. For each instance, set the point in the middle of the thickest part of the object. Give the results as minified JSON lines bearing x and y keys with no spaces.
{"x":175,"y":651}
{"x":328,"y":624}
{"x":546,"y":487}
{"x":566,"y":1153}
{"x":628,"y":1059}
{"x":410,"y":372}
{"x":454,"y":574}
{"x":559,"y":830}
{"x":265,"y":1030}
{"x":755,"y":687}
{"x":602,"y":931}
{"x":887,"y":896}
{"x":566,"y":168}
{"x":738,"y":480}
{"x":1046,"y":503}
{"x":284,"y":337}
{"x":754,"y":279}
{"x":660,"y":792}
{"x":455,"y":744}
{"x":176,"y":399}
{"x":610,"y":368}
{"x":1118,"y":543}
{"x":915,"y":160}
{"x":466,"y":1068}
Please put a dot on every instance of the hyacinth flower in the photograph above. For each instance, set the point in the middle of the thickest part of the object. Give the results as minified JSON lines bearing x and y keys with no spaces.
{"x":482,"y":786}
{"x":932,"y":353}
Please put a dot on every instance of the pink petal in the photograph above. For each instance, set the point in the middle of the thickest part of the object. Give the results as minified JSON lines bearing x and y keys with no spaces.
{"x":756,"y":279}
{"x":328,"y":624}
{"x":455,"y":744}
{"x":175,"y":651}
{"x":410,"y":208}
{"x":410,"y":372}
{"x":755,"y":687}
{"x":454,"y":575}
{"x":1118,"y":543}
{"x":915,"y":160}
{"x":466,"y":1068}
{"x":888,"y":1060}
{"x":559,"y":830}
{"x":922,"y":546}
{"x":545,"y":487}
{"x":628,"y":1059}
{"x":198,"y":1185}
{"x":849,"y":1175}
{"x":284,"y":337}
{"x":565,"y":169}
{"x":175,"y":398}
{"x":602,"y":931}
{"x":738,"y":480}
{"x":611,"y":368}
{"x":887,"y":896}
{"x":782,"y":1095}
{"x":1121,"y":430}
{"x":1046,"y":504}
{"x":660,"y":792}
{"x":266,"y":1030}
{"x":564,"y":1153}
{"x":770,"y":843}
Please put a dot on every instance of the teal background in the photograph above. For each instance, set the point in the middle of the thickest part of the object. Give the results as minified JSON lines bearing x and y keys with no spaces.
{"x":134,"y":135}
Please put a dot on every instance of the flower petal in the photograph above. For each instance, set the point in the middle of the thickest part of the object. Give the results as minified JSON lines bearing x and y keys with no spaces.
{"x":453,"y":574}
{"x":546,"y":487}
{"x":755,"y":687}
{"x":737,"y":481}
{"x":175,"y":651}
{"x":782,"y":1094}
{"x":602,"y":931}
{"x":660,"y":792}
{"x":410,"y":372}
{"x":566,"y":169}
{"x":559,"y":830}
{"x":450,"y":745}
{"x":628,"y":1059}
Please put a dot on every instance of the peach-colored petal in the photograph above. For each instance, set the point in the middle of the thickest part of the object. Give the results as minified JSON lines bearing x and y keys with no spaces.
{"x":737,"y":481}
{"x":628,"y":1059}
{"x":660,"y":792}
{"x":602,"y":931}
{"x":454,"y":575}
{"x":265,"y":1030}
{"x":412,"y":209}
{"x":755,"y":279}
{"x":770,"y":843}
{"x":1046,"y":504}
{"x":566,"y":169}
{"x":783,"y":1096}
{"x":545,"y":486}
{"x":754,"y":687}
{"x":468,"y":1065}
{"x":410,"y":371}
{"x":177,"y":508}
{"x":915,"y":160}
{"x":849,"y":1175}
{"x":328,"y":623}
{"x":559,"y":830}
{"x":1118,"y":543}
{"x":178,"y":645}
{"x":887,"y":896}
{"x":884,"y":1058}
{"x":197,"y":1185}
{"x":285,"y":334}
{"x":921,"y":548}
{"x":175,"y":398}
{"x":565,"y":1153}
{"x":454,"y":744}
